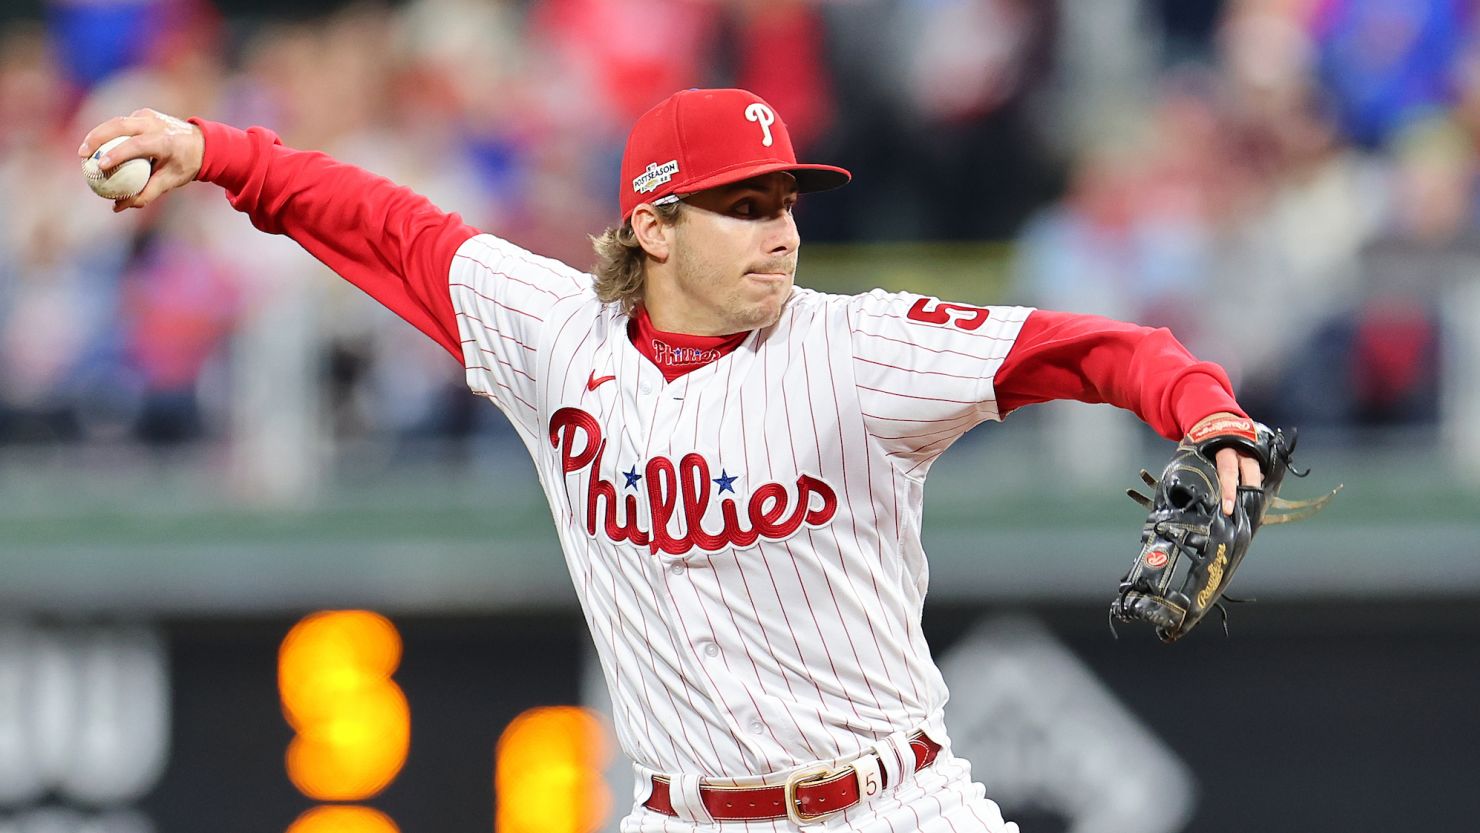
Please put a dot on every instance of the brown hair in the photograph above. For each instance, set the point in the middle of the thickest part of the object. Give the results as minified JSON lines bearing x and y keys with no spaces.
{"x":620,"y":260}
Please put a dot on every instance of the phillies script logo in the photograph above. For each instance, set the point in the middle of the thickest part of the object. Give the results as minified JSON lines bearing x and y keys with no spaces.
{"x":684,"y":491}
{"x":667,"y":354}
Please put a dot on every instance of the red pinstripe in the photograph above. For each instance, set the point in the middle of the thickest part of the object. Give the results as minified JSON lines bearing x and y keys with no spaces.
{"x":645,"y":565}
{"x":516,"y":396}
{"x":943,"y":352}
{"x":509,"y":250}
{"x":496,"y":302}
{"x":923,"y":460}
{"x":715,"y":693}
{"x":555,"y":350}
{"x":525,"y":258}
{"x":503,"y":274}
{"x":801,"y":582}
{"x":708,"y":622}
{"x":902,"y":419}
{"x":497,"y":358}
{"x":745,"y":582}
{"x":912,"y":396}
{"x":776,"y":588}
{"x":919,"y":372}
{"x":720,"y":586}
{"x":874,"y":507}
{"x":832,"y":379}
{"x":842,"y":563}
{"x":646,"y":697}
{"x":491,"y":329}
{"x":952,"y":430}
{"x":657,"y":564}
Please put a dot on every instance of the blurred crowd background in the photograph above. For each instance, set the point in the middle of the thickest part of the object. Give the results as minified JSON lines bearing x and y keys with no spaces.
{"x":1289,"y":184}
{"x":205,"y":435}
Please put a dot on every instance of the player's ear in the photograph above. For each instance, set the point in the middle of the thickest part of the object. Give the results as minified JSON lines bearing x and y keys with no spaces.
{"x":653,"y":233}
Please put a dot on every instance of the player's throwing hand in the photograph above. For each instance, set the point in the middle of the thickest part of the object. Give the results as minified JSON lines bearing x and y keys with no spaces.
{"x":175,"y":146}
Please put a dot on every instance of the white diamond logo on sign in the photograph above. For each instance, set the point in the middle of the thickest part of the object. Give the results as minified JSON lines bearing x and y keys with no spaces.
{"x":765,"y":117}
{"x":1044,"y":733}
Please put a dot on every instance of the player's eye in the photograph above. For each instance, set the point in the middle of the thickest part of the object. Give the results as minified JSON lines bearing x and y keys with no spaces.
{"x":750,"y":208}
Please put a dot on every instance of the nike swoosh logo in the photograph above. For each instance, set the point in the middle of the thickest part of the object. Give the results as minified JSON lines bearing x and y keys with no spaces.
{"x":593,"y":383}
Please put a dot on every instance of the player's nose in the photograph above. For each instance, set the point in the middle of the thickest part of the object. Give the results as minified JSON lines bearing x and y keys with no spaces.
{"x":782,"y":235}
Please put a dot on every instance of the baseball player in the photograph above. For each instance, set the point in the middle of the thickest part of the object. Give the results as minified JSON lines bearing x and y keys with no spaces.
{"x":734,"y":464}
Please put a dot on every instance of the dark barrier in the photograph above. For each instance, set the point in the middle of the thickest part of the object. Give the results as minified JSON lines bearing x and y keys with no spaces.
{"x":1339,"y":716}
{"x":1329,"y":717}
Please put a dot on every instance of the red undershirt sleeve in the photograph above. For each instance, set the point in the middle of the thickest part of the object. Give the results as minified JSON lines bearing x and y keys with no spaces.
{"x":1088,"y":358}
{"x":387,"y":240}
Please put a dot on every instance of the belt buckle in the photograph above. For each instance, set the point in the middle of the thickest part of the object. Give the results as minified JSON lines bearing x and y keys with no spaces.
{"x":799,"y":779}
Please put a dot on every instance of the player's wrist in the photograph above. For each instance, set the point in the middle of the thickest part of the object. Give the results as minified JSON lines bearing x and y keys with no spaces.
{"x":1221,"y":424}
{"x":204,"y":146}
{"x":1201,"y":391}
{"x":225,"y":154}
{"x":195,"y":151}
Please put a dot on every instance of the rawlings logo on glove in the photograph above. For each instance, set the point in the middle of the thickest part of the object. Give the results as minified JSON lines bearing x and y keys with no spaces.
{"x":1189,"y":548}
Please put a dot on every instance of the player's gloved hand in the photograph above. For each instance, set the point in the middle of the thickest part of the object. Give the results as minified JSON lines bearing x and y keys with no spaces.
{"x":176,"y":147}
{"x":1236,"y":466}
{"x":1190,"y":544}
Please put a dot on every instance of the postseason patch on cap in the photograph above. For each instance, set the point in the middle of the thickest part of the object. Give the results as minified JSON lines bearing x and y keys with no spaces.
{"x":654,"y":176}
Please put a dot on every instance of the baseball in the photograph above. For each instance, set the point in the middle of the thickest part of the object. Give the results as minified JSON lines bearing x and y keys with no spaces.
{"x":126,"y":180}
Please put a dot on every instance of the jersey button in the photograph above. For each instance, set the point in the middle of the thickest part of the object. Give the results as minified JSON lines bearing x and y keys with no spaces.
{"x":645,"y":387}
{"x":711,"y":649}
{"x":676,"y":569}
{"x":757,"y":727}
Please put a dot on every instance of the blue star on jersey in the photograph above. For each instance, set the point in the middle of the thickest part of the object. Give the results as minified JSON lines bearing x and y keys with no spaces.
{"x":632,"y":477}
{"x":726,"y":481}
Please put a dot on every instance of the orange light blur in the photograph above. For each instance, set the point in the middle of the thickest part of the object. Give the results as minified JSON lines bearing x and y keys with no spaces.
{"x":343,"y":820}
{"x":353,"y":722}
{"x":548,"y":773}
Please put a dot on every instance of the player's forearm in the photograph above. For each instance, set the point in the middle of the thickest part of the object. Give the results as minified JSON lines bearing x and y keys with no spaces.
{"x":1093,"y":359}
{"x":389,"y":241}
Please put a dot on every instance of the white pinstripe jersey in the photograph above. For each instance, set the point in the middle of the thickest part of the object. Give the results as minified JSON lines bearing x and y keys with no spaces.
{"x":745,"y":540}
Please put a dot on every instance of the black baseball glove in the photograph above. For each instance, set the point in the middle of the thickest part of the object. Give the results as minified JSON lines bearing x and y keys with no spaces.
{"x":1189,"y":548}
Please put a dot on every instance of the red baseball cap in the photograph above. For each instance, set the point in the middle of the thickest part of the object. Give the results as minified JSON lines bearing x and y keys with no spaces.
{"x":699,"y":139}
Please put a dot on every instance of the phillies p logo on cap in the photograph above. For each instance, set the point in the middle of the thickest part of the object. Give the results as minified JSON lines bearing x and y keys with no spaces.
{"x":699,"y":139}
{"x":764,"y":116}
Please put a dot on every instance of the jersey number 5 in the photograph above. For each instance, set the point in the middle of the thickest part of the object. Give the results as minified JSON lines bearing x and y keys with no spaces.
{"x":966,"y":317}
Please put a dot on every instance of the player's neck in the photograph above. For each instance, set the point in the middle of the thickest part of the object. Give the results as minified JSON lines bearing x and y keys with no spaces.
{"x":677,"y":353}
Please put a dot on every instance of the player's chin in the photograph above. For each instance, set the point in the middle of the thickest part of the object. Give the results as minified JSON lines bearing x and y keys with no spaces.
{"x":754,"y":313}
{"x":763,"y":293}
{"x":768,"y":312}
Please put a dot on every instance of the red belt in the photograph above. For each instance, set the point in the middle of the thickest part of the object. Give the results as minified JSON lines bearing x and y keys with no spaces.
{"x":806,"y":796}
